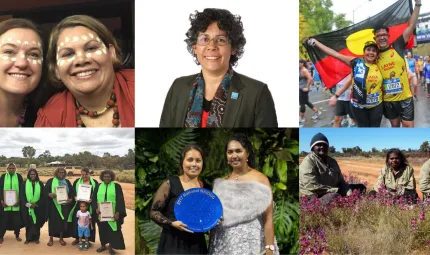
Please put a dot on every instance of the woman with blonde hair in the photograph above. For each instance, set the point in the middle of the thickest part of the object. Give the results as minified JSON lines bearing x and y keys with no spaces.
{"x":85,"y":60}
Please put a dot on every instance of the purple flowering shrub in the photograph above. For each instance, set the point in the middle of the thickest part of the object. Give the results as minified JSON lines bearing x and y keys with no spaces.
{"x":363,"y":224}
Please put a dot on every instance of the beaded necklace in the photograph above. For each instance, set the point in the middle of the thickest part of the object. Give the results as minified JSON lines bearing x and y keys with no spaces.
{"x":111,"y":103}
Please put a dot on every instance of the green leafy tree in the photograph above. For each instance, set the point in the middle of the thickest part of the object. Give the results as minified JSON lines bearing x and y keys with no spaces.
{"x":28,"y":152}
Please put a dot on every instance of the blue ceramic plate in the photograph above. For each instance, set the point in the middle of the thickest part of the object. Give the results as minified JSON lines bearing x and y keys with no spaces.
{"x":200,"y":209}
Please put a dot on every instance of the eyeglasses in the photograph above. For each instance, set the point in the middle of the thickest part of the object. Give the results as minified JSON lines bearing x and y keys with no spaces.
{"x":204,"y":40}
{"x":381,"y":35}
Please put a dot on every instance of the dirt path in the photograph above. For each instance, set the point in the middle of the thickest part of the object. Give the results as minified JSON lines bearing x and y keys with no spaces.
{"x":11,"y":246}
{"x":369,"y":171}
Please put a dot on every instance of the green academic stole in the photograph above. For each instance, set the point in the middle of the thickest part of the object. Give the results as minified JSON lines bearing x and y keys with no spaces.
{"x":80,"y":181}
{"x":11,"y":186}
{"x":32,"y":197}
{"x":53,"y":185}
{"x":111,"y":197}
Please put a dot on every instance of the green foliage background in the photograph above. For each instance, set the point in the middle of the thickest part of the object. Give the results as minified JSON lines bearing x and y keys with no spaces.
{"x":157,"y":157}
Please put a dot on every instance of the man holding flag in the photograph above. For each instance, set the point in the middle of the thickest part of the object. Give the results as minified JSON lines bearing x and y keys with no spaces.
{"x":398,"y":102}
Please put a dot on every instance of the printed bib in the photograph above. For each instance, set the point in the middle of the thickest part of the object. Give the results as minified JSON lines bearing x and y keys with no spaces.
{"x":392,"y":86}
{"x":372,"y":99}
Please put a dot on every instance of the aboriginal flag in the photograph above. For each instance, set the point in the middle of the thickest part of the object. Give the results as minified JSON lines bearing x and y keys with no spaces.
{"x":350,"y":40}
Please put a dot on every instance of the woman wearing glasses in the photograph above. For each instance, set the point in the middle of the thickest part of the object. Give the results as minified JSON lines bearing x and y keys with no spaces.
{"x":217,"y":96}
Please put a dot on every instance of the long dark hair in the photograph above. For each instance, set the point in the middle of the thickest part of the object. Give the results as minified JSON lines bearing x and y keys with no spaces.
{"x":244,"y":141}
{"x":33,"y":170}
{"x":402,"y":157}
{"x":187,"y":149}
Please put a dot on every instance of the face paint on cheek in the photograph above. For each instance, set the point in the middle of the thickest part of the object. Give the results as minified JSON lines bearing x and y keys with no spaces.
{"x":71,"y":59}
{"x":5,"y":58}
{"x":18,"y":41}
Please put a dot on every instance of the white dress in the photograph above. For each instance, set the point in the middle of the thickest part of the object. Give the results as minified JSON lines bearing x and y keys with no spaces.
{"x":242,"y":230}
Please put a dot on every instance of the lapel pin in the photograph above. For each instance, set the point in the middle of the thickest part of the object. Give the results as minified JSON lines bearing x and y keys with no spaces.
{"x":234,"y":95}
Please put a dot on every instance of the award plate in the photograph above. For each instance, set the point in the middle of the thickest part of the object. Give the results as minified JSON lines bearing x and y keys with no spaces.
{"x":198,"y":208}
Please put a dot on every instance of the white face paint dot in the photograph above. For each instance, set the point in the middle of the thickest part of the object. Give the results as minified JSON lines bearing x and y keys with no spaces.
{"x":29,"y":60}
{"x":61,"y":62}
{"x":40,"y":45}
{"x":104,"y":51}
{"x":39,"y":62}
{"x":25,"y":42}
{"x":98,"y":52}
{"x":18,"y":41}
{"x":61,"y":44}
{"x":88,"y":55}
{"x":13,"y":59}
{"x":5,"y":57}
{"x":71,"y":59}
{"x":79,"y":54}
{"x":75,"y":38}
{"x":9,"y":39}
{"x":22,"y":56}
{"x":33,"y":42}
{"x":84,"y":37}
{"x":67,"y":39}
{"x":91,"y":35}
{"x":98,"y":39}
{"x":58,"y":48}
{"x":34,"y":62}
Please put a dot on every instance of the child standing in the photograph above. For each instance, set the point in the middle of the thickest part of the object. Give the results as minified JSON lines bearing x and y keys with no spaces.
{"x":84,"y":224}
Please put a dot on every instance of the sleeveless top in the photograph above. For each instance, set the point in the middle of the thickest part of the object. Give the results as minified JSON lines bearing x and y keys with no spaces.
{"x":411,"y":63}
{"x":303,"y":81}
{"x":392,"y":66}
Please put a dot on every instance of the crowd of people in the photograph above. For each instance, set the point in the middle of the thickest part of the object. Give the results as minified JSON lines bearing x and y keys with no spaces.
{"x":36,"y":204}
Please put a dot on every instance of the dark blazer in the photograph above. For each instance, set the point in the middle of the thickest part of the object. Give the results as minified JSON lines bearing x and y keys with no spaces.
{"x":254,"y":106}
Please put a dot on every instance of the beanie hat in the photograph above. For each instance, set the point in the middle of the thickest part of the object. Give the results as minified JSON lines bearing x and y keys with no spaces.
{"x":318,"y":138}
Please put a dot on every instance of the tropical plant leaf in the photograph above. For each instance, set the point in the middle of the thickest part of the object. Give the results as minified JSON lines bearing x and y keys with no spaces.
{"x":150,"y":233}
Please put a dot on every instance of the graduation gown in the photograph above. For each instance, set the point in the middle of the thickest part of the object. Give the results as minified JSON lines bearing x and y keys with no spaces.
{"x":55,"y":223}
{"x":92,"y":237}
{"x":115,"y":239}
{"x":32,"y":230}
{"x":10,"y":220}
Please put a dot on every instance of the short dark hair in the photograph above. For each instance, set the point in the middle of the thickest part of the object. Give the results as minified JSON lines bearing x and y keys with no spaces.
{"x":32,"y":170}
{"x":83,"y":202}
{"x":86,"y":170}
{"x":107,"y":171}
{"x":187,"y":149}
{"x":380,"y":27}
{"x":244,"y":141}
{"x":402,"y":157}
{"x":226,"y":21}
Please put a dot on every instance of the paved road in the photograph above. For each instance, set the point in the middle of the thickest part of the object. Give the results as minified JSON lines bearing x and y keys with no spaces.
{"x":320,"y":100}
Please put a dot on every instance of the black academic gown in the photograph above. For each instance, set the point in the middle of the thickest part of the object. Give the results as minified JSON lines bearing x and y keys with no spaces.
{"x":10,"y":220}
{"x":55,"y":223}
{"x":32,"y":230}
{"x":115,"y":239}
{"x":93,"y":215}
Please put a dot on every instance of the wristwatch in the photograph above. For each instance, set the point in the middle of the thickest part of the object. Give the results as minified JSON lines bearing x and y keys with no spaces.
{"x":270,"y":247}
{"x":418,"y":5}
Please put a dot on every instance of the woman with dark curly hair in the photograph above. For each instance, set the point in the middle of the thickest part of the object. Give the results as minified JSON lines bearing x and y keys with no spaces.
{"x":58,"y":214}
{"x":110,"y":231}
{"x":397,"y":177}
{"x":217,"y":96}
{"x":247,"y":227}
{"x":175,"y":237}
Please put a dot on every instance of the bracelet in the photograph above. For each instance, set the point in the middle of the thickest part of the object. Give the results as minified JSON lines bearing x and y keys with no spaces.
{"x":336,"y":96}
{"x":418,"y":5}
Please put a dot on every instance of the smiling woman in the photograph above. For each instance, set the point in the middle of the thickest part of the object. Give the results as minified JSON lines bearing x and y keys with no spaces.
{"x":21,"y":60}
{"x":218,"y":96}
{"x":84,"y":57}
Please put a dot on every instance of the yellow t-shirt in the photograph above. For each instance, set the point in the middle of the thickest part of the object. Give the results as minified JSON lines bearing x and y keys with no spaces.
{"x":373,"y":87}
{"x":392,"y":65}
{"x":420,"y":65}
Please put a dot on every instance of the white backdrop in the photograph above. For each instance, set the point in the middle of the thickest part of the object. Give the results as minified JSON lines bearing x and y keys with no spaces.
{"x":271,"y":51}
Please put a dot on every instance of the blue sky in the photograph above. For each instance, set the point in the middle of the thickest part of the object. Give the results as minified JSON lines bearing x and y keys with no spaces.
{"x":366,"y":138}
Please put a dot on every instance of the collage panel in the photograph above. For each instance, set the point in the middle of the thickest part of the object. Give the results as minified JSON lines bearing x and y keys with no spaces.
{"x":66,"y":191}
{"x":364,"y":65}
{"x":213,"y":65}
{"x":67,"y":63}
{"x":217,"y":191}
{"x":364,"y":191}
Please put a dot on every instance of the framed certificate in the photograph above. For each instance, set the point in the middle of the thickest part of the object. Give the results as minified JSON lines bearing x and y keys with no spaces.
{"x":62,"y":196}
{"x":84,"y":192}
{"x":106,"y":211}
{"x":10,"y":197}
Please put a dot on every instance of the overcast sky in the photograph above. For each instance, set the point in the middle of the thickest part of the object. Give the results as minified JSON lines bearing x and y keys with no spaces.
{"x":364,"y":8}
{"x":60,"y":141}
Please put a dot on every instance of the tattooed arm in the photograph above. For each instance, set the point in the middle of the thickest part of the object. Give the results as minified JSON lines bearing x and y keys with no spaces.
{"x":159,"y":203}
